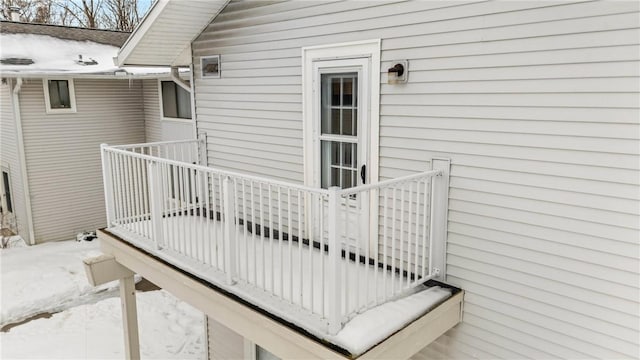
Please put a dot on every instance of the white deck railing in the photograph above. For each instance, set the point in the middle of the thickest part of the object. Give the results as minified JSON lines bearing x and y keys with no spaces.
{"x":329,"y":253}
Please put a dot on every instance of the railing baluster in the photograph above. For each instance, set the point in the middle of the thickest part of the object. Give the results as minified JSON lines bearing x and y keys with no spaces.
{"x":137,"y":194}
{"x":393,"y":243}
{"x":301,"y":199}
{"x":416,"y":237}
{"x":280,"y":232}
{"x":207,"y":239}
{"x":321,"y":260}
{"x":385,"y":244}
{"x":426,"y":263}
{"x":401,"y":265}
{"x":229,"y":231}
{"x":262,"y":222}
{"x":410,"y":200}
{"x":254,"y":227}
{"x":271,"y":236}
{"x":290,"y":244}
{"x":234,"y":188}
{"x":244,"y":230}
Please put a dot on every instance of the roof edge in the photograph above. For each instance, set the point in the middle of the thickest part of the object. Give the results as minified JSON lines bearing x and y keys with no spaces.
{"x":139,"y":32}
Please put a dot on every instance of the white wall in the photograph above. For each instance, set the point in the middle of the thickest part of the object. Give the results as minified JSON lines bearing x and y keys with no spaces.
{"x":9,"y":157}
{"x":536,"y":104}
{"x":152,"y":123}
{"x":63,"y":152}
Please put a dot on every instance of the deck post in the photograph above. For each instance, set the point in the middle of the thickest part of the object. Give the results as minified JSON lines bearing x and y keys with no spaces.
{"x":229,"y":231}
{"x":334,"y":266}
{"x":439,"y":212}
{"x":106,"y":180}
{"x":155,"y":205}
{"x":129,"y":318}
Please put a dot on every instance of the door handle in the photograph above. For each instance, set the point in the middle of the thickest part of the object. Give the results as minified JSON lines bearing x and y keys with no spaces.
{"x":363,"y":173}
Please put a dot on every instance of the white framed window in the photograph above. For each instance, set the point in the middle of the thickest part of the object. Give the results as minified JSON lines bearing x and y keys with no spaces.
{"x":210,"y":66}
{"x":253,"y":351}
{"x":175,"y":102}
{"x":6,"y":198}
{"x":59,"y":95}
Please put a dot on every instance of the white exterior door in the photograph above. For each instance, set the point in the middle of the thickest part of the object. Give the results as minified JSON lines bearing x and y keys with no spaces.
{"x":341,"y":141}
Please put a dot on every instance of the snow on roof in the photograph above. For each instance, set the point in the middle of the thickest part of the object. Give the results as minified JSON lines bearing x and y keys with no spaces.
{"x":52,"y":55}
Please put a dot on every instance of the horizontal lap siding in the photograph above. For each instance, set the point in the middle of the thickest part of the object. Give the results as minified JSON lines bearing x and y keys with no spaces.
{"x":9,"y":157}
{"x":536,"y":104}
{"x":152,"y":122}
{"x":63,"y":152}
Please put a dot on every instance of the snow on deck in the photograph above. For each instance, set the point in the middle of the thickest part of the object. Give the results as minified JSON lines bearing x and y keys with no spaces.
{"x":269,"y":276}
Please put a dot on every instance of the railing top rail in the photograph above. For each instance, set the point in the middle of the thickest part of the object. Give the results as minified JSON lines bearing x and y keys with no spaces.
{"x":385,"y":183}
{"x":125,"y":146}
{"x":217,"y":171}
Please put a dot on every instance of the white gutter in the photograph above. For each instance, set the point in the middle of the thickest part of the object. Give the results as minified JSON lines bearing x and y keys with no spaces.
{"x":23,"y":159}
{"x":175,"y":76}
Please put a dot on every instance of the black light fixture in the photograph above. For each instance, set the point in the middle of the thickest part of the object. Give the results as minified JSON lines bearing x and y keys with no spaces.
{"x":397,"y":73}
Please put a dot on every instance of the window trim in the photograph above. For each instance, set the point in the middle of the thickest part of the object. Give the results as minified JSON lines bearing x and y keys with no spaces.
{"x":47,"y":98}
{"x":202,"y":59}
{"x":160,"y":103}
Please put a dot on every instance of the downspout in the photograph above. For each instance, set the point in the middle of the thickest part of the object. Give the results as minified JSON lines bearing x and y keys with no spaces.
{"x":23,"y":159}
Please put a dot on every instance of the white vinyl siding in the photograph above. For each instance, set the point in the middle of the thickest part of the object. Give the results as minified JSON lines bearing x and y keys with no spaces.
{"x":224,"y":343}
{"x":537,"y":105}
{"x":9,"y":157}
{"x":63,"y":152}
{"x":152,"y":122}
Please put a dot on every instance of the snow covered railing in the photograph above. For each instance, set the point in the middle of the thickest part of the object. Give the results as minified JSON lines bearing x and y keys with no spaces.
{"x":329,"y":253}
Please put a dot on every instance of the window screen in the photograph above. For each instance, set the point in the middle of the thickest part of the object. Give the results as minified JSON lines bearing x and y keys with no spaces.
{"x":176,"y":101}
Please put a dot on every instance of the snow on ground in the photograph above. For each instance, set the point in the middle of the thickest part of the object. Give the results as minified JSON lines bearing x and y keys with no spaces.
{"x":46,"y":278}
{"x":50,"y":277}
{"x":169,"y":329}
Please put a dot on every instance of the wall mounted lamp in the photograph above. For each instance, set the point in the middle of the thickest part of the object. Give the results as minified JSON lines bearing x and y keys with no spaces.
{"x":398,"y":73}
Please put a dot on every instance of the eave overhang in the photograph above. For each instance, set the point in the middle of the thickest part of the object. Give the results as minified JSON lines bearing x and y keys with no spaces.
{"x":164,"y":36}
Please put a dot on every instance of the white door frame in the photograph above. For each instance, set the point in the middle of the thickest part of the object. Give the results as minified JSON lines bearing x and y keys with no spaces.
{"x":369,"y":49}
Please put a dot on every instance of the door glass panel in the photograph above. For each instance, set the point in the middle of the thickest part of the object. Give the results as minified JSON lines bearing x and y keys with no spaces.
{"x":339,"y":164}
{"x":339,"y":159}
{"x":339,"y":102}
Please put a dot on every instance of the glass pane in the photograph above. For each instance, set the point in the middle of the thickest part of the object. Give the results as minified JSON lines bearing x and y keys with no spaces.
{"x":335,"y":91}
{"x":347,"y":122}
{"x":63,"y":91}
{"x":346,"y":178}
{"x":7,"y":191}
{"x":262,"y":354}
{"x":169,"y":106}
{"x":348,"y":155}
{"x":335,"y":176}
{"x":54,"y":95}
{"x":347,"y":91}
{"x":184,"y":103}
{"x":335,"y":153}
